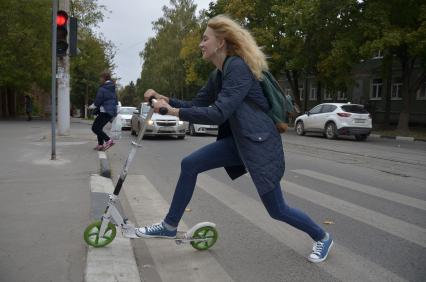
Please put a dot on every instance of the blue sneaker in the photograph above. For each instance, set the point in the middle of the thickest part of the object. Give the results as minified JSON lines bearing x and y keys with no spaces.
{"x":157,"y":230}
{"x":321,"y":249}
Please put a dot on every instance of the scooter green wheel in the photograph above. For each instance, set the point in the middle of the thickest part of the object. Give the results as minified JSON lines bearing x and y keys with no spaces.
{"x":208,"y":233}
{"x":91,"y":234}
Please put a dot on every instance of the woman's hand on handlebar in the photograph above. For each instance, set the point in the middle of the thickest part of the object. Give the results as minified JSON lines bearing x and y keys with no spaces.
{"x":151,"y":92}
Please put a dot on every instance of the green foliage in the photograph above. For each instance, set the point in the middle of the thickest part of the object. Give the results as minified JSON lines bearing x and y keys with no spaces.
{"x":128,"y":96}
{"x":86,"y":67}
{"x":25,"y":49}
{"x":324,"y":38}
{"x":171,"y":63}
{"x":25,"y":44}
{"x":96,"y":54}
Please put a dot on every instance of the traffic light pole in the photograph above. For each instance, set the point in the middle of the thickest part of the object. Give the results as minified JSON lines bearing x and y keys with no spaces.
{"x":53,"y":107}
{"x":64,"y":85}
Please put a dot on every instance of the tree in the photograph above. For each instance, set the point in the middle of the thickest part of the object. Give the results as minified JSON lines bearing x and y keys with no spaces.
{"x":399,"y":28}
{"x":163,"y":68}
{"x":94,"y":57}
{"x":128,"y":96}
{"x":96,"y":53}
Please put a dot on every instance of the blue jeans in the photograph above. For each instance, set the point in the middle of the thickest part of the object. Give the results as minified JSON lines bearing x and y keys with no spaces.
{"x":224,"y":153}
{"x":101,"y":120}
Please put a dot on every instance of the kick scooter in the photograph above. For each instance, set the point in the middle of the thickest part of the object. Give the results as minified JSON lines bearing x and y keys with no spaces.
{"x":100,"y":233}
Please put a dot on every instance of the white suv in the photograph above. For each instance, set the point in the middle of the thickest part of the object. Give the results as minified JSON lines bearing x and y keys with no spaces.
{"x":333,"y":119}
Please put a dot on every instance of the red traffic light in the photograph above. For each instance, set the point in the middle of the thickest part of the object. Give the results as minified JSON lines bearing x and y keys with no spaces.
{"x":61,"y":18}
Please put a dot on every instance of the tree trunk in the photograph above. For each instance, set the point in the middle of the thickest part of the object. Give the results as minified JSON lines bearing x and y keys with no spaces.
{"x":404,"y":116}
{"x":387,"y":74}
{"x":319,"y":98}
{"x":86,"y":100}
{"x":305,"y":98}
{"x":293,"y":79}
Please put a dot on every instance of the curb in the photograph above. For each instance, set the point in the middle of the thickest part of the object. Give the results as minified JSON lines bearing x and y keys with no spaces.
{"x":117,"y":261}
{"x":105,"y":169}
{"x":397,"y":138}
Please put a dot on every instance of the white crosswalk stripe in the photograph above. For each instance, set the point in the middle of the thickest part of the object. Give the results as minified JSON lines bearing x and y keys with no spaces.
{"x":370,"y":190}
{"x":342,"y":263}
{"x":172,"y":262}
{"x":396,"y":227}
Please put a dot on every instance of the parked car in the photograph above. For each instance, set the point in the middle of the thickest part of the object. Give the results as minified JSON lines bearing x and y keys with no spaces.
{"x":334,"y":119}
{"x":158,"y":124}
{"x":194,"y":129}
{"x":125,"y":114}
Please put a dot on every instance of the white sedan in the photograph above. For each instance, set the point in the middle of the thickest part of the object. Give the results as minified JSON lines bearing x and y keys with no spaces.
{"x":334,"y":119}
{"x":125,"y":114}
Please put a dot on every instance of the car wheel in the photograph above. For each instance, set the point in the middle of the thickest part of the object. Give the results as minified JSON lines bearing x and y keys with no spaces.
{"x":192,"y":130}
{"x":361,"y":137}
{"x":330,"y":131}
{"x":300,"y":130}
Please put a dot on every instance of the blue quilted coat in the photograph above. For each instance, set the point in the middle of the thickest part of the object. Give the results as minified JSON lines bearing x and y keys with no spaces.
{"x":107,"y":98}
{"x":239,"y":107}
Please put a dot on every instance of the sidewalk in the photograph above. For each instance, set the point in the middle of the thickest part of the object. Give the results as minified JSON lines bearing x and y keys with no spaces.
{"x":45,"y":204}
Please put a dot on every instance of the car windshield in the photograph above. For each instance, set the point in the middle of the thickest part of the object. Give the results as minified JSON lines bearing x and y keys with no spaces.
{"x":356,"y":109}
{"x":127,"y":111}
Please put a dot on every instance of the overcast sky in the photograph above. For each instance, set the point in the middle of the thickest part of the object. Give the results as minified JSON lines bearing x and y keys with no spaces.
{"x":128,"y":26}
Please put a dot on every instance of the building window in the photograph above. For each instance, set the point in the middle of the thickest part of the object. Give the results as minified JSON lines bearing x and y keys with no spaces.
{"x":376,"y":89}
{"x":313,"y":94}
{"x":301,"y":93}
{"x":421,"y":93}
{"x":341,"y":95}
{"x":327,"y":95}
{"x":396,"y":90}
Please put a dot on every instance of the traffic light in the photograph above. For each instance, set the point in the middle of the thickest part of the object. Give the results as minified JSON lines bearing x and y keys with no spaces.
{"x":61,"y":33}
{"x":73,"y":37}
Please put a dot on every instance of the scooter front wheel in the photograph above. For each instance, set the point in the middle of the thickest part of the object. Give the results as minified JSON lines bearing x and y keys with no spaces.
{"x":209,"y":236}
{"x":91,"y":234}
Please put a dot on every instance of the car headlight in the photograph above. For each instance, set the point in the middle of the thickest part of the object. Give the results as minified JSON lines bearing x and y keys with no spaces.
{"x":150,"y":122}
{"x":180,"y":122}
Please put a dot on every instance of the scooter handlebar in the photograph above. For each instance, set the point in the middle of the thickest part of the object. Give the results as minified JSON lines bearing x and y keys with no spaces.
{"x":163,"y":110}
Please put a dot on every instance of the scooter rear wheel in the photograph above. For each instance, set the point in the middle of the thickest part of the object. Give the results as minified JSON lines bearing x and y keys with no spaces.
{"x":208,"y":233}
{"x":91,"y":234}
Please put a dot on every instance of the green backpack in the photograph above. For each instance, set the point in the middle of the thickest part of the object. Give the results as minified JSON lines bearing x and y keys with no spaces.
{"x":281,"y":104}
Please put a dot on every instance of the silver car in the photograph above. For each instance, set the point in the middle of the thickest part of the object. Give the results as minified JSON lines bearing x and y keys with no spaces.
{"x":158,"y":125}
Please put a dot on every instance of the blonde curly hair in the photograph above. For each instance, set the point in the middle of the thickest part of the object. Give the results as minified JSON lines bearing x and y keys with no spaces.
{"x":239,"y":42}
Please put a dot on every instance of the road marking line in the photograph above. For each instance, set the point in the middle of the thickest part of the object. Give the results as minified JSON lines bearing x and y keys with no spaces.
{"x":342,"y":263}
{"x":102,"y":155}
{"x":391,"y":196}
{"x":172,"y":262}
{"x":396,"y":227}
{"x":115,"y":262}
{"x":101,"y":184}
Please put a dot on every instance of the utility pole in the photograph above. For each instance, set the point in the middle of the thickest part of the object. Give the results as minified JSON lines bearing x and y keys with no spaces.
{"x":53,"y":95}
{"x":64,"y":84}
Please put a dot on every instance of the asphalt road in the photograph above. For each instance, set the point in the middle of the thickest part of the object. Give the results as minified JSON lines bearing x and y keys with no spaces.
{"x":370,"y":195}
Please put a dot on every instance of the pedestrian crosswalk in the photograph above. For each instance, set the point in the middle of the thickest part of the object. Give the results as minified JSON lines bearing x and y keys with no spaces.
{"x":390,"y":196}
{"x":174,"y":263}
{"x":341,"y":263}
